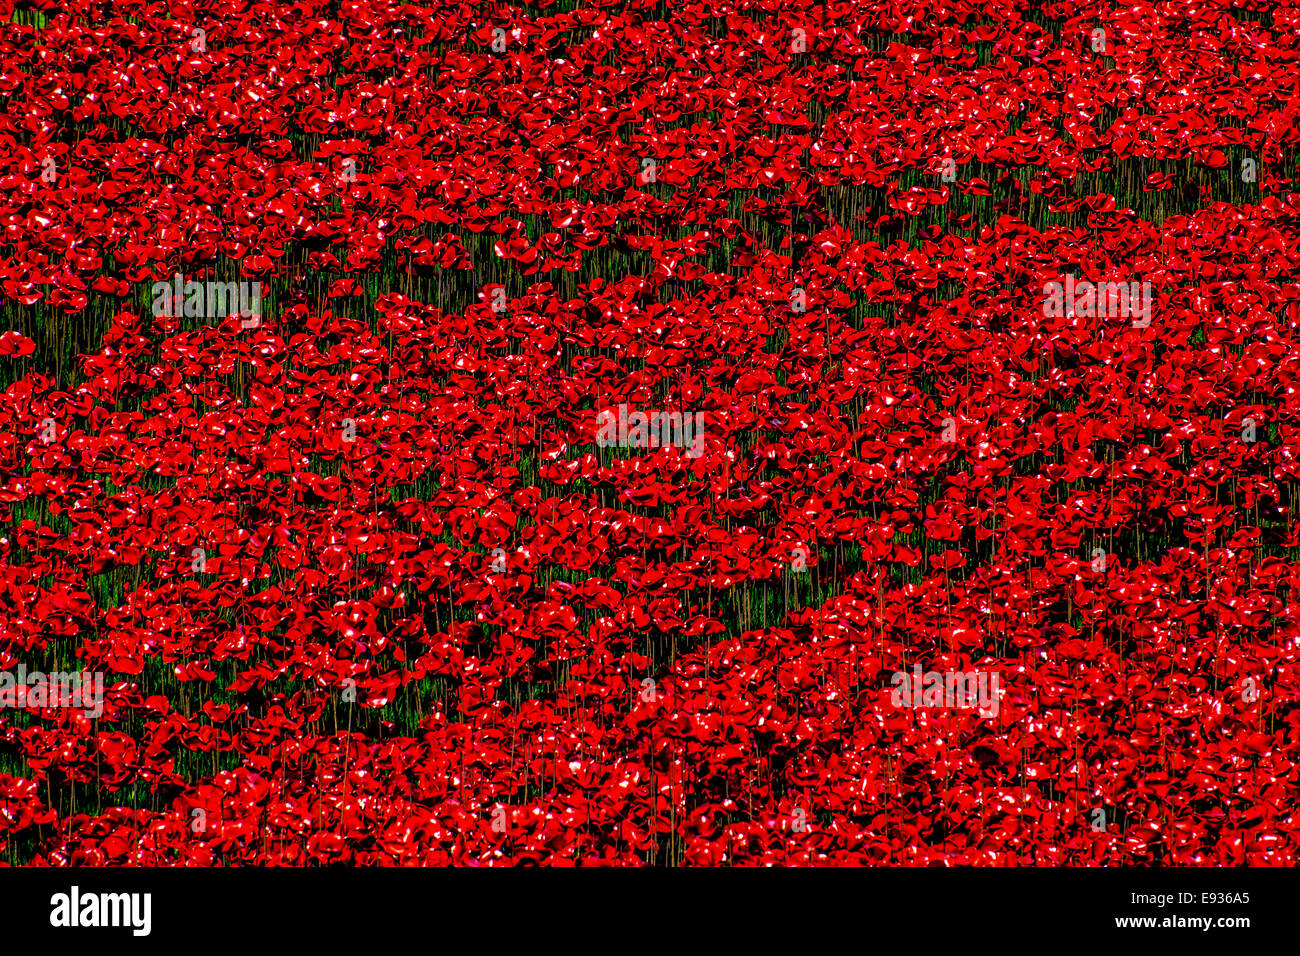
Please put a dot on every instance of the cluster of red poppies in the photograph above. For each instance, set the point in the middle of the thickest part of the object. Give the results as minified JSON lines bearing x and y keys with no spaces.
{"x":368,"y":589}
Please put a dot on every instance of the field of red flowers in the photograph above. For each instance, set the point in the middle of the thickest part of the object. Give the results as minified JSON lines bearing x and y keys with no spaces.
{"x":369,"y":575}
